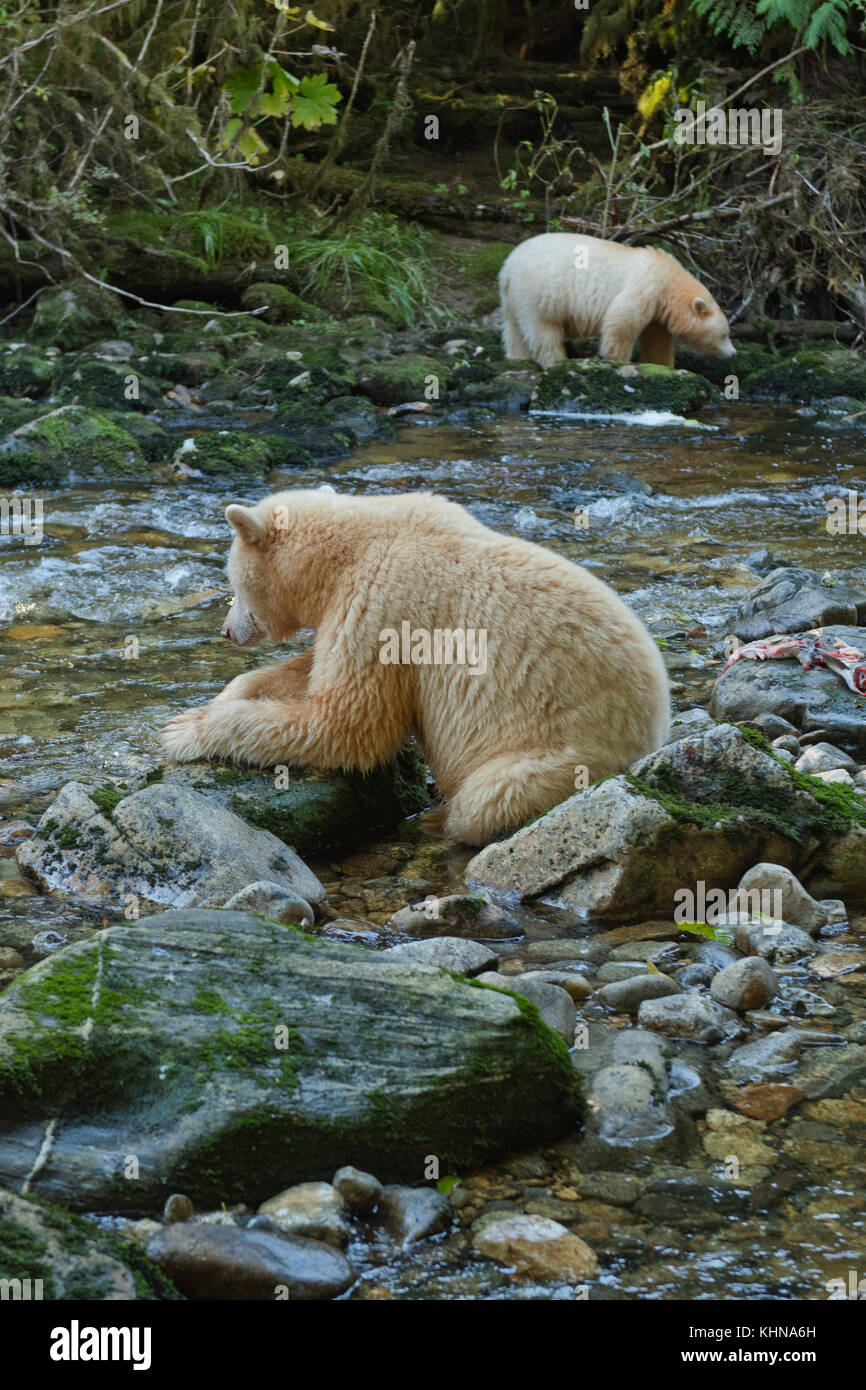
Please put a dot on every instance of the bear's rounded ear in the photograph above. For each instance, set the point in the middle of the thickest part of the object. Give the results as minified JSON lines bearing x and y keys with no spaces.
{"x":701,"y":307}
{"x":248,"y":525}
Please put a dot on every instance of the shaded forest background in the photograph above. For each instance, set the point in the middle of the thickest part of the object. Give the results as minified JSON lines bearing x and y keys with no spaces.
{"x":167,"y":148}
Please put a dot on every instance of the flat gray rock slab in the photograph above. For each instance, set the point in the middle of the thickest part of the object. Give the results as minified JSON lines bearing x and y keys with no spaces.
{"x":229,"y":1056}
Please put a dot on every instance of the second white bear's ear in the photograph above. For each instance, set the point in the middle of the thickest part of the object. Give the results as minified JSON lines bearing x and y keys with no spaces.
{"x":701,"y":307}
{"x":249,"y":527}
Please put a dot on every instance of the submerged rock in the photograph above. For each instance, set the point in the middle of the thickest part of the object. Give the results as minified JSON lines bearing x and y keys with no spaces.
{"x":162,"y":845}
{"x":242,"y":1055}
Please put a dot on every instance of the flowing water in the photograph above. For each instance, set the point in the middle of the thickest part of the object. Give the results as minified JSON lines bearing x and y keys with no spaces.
{"x":111,"y":624}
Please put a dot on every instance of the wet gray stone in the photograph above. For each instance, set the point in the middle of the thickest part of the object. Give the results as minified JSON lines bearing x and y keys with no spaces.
{"x":627,"y":1105}
{"x":451,"y":952}
{"x":614,"y":970}
{"x":798,"y":908}
{"x":412,"y":1213}
{"x":361,"y":1190}
{"x":779,"y":944}
{"x":626,"y":996}
{"x":227,"y":1263}
{"x":790,"y":599}
{"x":314,"y":1210}
{"x":641,"y":1049}
{"x":165,"y":845}
{"x":555,"y":1006}
{"x":772,"y":1058}
{"x":690,"y":1016}
{"x":747,"y":984}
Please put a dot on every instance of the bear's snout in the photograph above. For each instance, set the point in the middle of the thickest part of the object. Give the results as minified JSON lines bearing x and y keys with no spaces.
{"x":241,"y":626}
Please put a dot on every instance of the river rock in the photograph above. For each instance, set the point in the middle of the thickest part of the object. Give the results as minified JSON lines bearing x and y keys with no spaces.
{"x":412,"y":1213}
{"x":626,"y":996}
{"x":226,"y":1263}
{"x":824,"y":757}
{"x":315,"y":1210}
{"x":162,"y":845}
{"x":555,"y":1006}
{"x":797,"y":906}
{"x":177,"y":1207}
{"x":537,"y":1248}
{"x":795,"y":600}
{"x":690,"y":1016}
{"x":315,"y":811}
{"x":458,"y":912}
{"x":777,"y":942}
{"x":627,"y":1105}
{"x":451,"y":952}
{"x":628,"y":844}
{"x":270,"y":900}
{"x":232,"y":1055}
{"x":747,"y":984}
{"x":810,"y":700}
{"x":64,"y":1257}
{"x":842,"y":869}
{"x":361,"y":1190}
{"x":772,"y":1058}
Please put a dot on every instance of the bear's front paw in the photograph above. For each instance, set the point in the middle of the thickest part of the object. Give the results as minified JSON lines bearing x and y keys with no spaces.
{"x":182,"y":737}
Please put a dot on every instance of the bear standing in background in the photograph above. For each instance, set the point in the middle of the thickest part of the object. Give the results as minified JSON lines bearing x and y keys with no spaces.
{"x":561,"y":285}
{"x":395,"y":586}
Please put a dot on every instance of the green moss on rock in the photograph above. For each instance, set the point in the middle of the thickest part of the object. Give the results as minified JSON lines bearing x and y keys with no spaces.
{"x":70,"y":443}
{"x":572,"y":387}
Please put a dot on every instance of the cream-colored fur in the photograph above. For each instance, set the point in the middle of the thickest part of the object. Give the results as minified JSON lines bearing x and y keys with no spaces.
{"x":561,"y":285}
{"x":572,"y":677}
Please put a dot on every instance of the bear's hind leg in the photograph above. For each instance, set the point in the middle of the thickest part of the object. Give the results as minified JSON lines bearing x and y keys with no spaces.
{"x":506,"y":791}
{"x":514,"y":344}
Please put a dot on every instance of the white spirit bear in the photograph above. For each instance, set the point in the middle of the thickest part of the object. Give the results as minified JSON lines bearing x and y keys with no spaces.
{"x":571,"y":684}
{"x":560,"y":285}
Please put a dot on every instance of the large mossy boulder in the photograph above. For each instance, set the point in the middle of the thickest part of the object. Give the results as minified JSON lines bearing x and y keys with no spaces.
{"x":24,"y":371}
{"x":811,"y":375}
{"x":102,"y":384}
{"x":413,"y":377}
{"x":280,"y":304}
{"x":64,"y":1257}
{"x":316,"y":811}
{"x":70,"y":444}
{"x":575,"y":387}
{"x":68,"y":316}
{"x":231,"y":1056}
{"x":705,"y":807}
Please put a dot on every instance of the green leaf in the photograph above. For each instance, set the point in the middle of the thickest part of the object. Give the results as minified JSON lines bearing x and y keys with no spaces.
{"x":241,"y":86}
{"x":446,"y":1185}
{"x":314,"y":102}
